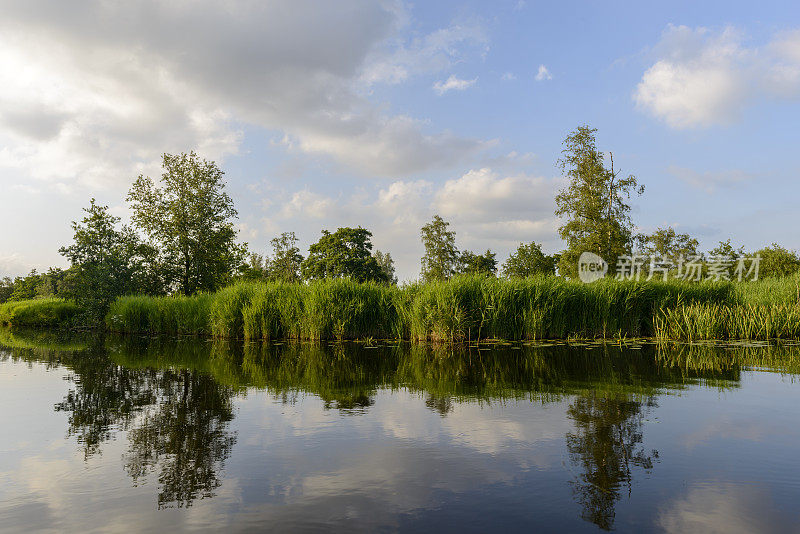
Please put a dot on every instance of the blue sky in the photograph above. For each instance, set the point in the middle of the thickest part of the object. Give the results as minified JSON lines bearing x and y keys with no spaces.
{"x":325,"y":114}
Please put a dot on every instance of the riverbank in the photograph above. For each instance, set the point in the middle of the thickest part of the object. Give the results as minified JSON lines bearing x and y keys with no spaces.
{"x":462,"y":309}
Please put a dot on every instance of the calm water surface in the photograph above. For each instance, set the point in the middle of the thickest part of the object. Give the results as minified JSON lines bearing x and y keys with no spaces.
{"x":157,"y":435}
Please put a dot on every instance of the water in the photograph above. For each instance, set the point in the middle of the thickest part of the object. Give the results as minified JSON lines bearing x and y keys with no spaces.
{"x":185,"y":435}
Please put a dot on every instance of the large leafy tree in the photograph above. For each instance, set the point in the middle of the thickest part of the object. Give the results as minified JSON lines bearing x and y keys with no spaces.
{"x":441,"y":259}
{"x":286,"y":261}
{"x":594,"y":206}
{"x":190,"y":219}
{"x":107,"y":262}
{"x":472,"y":263}
{"x":345,"y":253}
{"x":529,"y":260}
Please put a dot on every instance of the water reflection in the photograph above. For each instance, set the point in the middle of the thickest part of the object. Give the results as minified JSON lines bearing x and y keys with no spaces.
{"x":173,"y":401}
{"x":605,"y":447}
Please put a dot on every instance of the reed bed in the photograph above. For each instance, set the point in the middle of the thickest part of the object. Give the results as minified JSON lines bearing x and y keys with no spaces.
{"x":39,"y":313}
{"x":471,"y":308}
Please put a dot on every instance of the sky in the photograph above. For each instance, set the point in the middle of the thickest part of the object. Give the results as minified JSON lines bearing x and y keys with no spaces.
{"x":384,"y":113}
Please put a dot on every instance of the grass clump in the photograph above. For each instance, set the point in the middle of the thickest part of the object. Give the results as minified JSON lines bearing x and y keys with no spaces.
{"x":39,"y":313}
{"x":161,"y":315}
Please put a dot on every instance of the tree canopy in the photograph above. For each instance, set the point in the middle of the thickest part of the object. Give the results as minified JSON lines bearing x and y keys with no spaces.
{"x":190,"y":220}
{"x":107,"y":262}
{"x":286,"y":261}
{"x":594,"y":205}
{"x":472,"y":263}
{"x":777,"y":261}
{"x":529,"y":260}
{"x":345,"y":253}
{"x":386,"y":263}
{"x":441,"y":259}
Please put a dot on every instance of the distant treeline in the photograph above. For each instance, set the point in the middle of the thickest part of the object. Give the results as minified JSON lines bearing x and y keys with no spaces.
{"x":182,"y":240}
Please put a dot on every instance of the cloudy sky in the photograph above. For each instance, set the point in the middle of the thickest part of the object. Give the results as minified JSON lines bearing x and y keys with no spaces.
{"x":383,"y":113}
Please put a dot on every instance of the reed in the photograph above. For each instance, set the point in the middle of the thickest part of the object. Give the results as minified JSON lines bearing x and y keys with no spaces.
{"x":39,"y":313}
{"x":471,"y":308}
{"x":161,"y":315}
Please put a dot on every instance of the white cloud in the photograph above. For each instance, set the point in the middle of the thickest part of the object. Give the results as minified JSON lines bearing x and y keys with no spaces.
{"x":397,"y":60}
{"x":95,"y":91}
{"x":453,"y":84}
{"x":14,"y":265}
{"x":543,"y":74}
{"x":486,"y":209}
{"x":703,"y":78}
{"x":724,"y":507}
{"x":508,"y":77}
{"x":710,"y":181}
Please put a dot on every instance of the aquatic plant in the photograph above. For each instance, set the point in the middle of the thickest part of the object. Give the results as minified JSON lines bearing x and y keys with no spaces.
{"x":40,"y":313}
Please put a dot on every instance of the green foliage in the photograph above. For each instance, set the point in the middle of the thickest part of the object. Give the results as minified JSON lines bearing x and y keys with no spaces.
{"x":53,"y":283}
{"x":39,"y":313}
{"x":716,"y":321}
{"x":441,"y":259}
{"x":346,"y":253}
{"x":666,"y":243}
{"x":286,"y":262}
{"x":386,"y":263}
{"x":726,"y":250}
{"x":189,"y":219}
{"x":529,"y":260}
{"x":254,"y":269}
{"x":227,"y":305}
{"x":777,"y":261}
{"x":175,"y":314}
{"x":24,"y":287}
{"x":542,"y":307}
{"x":472,"y":263}
{"x":594,"y":204}
{"x":106,"y":262}
{"x":468,"y":308}
{"x":6,"y":289}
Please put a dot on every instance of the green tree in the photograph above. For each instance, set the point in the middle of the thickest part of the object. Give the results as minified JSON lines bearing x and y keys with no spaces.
{"x":286,"y":261}
{"x":777,"y":261}
{"x":594,"y":205}
{"x":6,"y":288}
{"x":386,"y":263}
{"x":107,"y":262}
{"x":255,"y":268}
{"x":190,"y":219}
{"x":726,"y":250}
{"x":667,"y":243}
{"x":441,"y":259}
{"x":472,"y":263}
{"x":51,"y":282}
{"x":25,"y":286}
{"x":346,"y":253}
{"x":529,"y":260}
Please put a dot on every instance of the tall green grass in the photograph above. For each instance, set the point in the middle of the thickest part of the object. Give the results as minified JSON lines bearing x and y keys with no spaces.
{"x":471,"y":308}
{"x":161,"y":315}
{"x":548,"y":307}
{"x":38,"y":313}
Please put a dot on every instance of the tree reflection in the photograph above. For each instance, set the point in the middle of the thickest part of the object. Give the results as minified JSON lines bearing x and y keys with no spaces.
{"x":185,"y":437}
{"x":177,"y":421}
{"x":606,"y":446}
